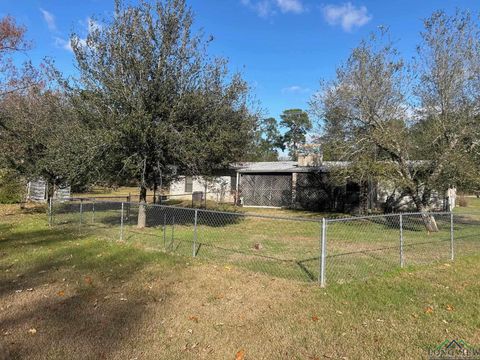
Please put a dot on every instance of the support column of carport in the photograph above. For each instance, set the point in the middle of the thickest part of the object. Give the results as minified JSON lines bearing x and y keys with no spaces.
{"x":237,"y":188}
{"x":294,"y":190}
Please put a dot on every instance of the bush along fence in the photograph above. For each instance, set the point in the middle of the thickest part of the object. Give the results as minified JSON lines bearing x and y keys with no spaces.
{"x":327,"y":251}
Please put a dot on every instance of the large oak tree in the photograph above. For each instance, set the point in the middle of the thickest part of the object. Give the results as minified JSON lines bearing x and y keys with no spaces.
{"x":158,"y":101}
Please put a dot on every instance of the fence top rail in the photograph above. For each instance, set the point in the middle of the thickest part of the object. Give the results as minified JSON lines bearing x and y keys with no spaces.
{"x":273,"y":217}
{"x":81,"y":198}
{"x":353,"y":218}
{"x":244,"y":214}
{"x":126,"y":196}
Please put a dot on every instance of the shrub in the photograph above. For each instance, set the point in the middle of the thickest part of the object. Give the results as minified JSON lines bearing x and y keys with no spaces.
{"x":462,"y":201}
{"x":12,"y":190}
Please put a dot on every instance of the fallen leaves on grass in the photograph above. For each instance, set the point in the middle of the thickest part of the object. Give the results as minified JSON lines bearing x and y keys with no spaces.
{"x":193,"y":318}
{"x":240,"y":355}
{"x":315,"y":318}
{"x":450,"y":307}
{"x":88,"y":280}
{"x":428,"y":310}
{"x":61,"y":293}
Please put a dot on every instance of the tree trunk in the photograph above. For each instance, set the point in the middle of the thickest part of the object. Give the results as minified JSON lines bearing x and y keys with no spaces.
{"x":24,"y":200}
{"x":363,"y":206}
{"x":155,"y":189}
{"x":430,"y":222}
{"x":206,"y":188}
{"x":50,"y":190}
{"x":428,"y":219}
{"x":142,"y":208}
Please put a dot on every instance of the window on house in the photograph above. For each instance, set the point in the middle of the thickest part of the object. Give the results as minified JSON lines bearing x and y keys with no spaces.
{"x":188,"y":184}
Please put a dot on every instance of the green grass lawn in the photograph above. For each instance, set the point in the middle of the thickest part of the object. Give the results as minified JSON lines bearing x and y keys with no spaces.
{"x":69,"y":293}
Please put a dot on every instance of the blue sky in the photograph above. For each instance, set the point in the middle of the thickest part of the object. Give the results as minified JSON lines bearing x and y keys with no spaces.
{"x":283,"y":47}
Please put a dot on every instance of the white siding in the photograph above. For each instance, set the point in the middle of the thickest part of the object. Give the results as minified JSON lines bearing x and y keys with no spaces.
{"x":406,"y":203}
{"x":218,"y":188}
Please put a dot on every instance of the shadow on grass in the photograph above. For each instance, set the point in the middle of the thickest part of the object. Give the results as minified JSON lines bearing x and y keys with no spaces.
{"x":78,"y":330}
{"x":40,"y":237}
{"x":164,"y":216}
{"x":4,"y":228}
{"x":392,"y":222}
{"x":254,"y":260}
{"x":38,"y":259}
{"x":111,"y":213}
{"x":466,"y":219}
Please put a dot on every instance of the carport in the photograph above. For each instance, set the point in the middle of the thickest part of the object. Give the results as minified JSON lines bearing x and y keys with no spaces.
{"x":266,"y":184}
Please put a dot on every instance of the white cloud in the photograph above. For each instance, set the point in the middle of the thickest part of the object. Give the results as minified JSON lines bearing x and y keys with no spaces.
{"x":295,"y":89}
{"x":266,"y":8}
{"x":93,"y":25}
{"x":263,"y":8}
{"x":294,"y":6}
{"x":67,"y":44}
{"x":90,"y":25}
{"x":346,"y":15}
{"x":62,"y":43}
{"x":49,"y":19}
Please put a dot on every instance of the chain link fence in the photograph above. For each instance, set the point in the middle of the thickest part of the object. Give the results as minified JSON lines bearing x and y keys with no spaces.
{"x":328,"y":251}
{"x":197,"y":199}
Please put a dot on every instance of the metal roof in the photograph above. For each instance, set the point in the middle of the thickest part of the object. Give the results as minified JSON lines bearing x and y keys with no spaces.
{"x":286,"y":167}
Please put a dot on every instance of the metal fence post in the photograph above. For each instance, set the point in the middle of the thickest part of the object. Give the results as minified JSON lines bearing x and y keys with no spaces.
{"x":402,"y":261}
{"x":195,"y":234}
{"x":121,"y":224}
{"x":81,"y":212}
{"x":323,"y":252}
{"x":452,"y":244}
{"x":93,"y":210}
{"x":129,"y":201}
{"x":173,"y":229}
{"x":50,"y":216}
{"x":165,"y":230}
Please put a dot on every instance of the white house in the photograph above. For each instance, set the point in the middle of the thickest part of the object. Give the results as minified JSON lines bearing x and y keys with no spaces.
{"x":217,"y":188}
{"x":300,"y":184}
